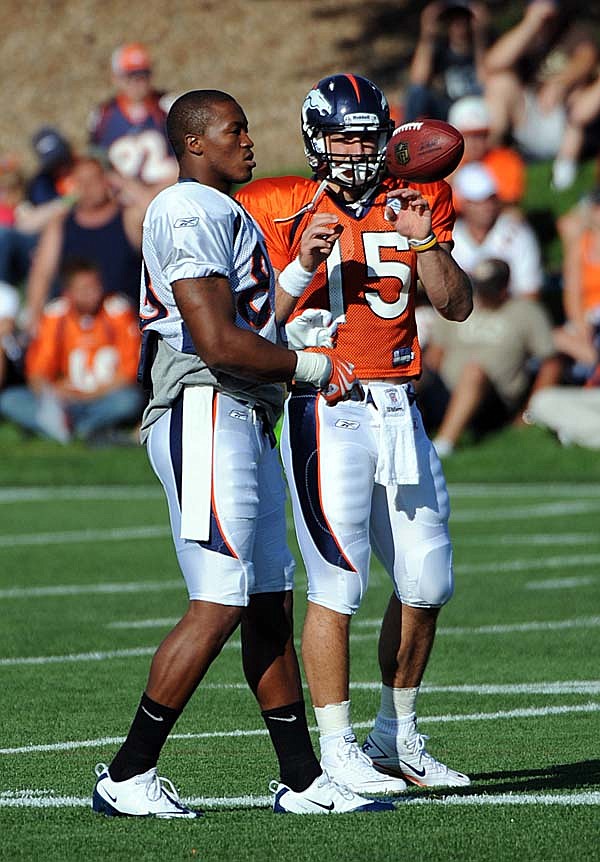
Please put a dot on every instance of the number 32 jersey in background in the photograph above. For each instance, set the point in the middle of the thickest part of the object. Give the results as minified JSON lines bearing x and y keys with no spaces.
{"x":370,"y":275}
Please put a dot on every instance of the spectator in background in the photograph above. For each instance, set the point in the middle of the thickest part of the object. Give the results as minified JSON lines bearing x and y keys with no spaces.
{"x":534,"y":74}
{"x":26,"y":207}
{"x":580,"y":139}
{"x":572,"y":412}
{"x":54,"y":177}
{"x":448,"y":59}
{"x":484,"y":229}
{"x":97,"y":227}
{"x":130,"y":128}
{"x":471,"y":116}
{"x":579,"y":337}
{"x":81,"y":367}
{"x":477,"y":375}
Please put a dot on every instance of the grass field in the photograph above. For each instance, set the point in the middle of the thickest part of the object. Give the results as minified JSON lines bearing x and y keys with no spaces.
{"x":89,"y":584}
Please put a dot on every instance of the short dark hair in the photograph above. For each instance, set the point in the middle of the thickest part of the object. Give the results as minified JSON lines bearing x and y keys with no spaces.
{"x":74,"y":265}
{"x":491,"y":276}
{"x":192,"y":113}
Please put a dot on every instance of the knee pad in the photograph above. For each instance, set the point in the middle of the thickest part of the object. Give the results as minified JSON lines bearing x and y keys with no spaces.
{"x":429,"y":579}
{"x":336,"y":589}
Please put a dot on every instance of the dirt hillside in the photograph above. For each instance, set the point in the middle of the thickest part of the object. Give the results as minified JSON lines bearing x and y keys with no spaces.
{"x":54,"y":64}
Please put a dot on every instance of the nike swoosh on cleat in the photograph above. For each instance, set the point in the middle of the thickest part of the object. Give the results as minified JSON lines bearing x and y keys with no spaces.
{"x":419,"y":772}
{"x":329,"y":807}
{"x":282,"y":718}
{"x":153,"y":717}
{"x":110,"y":796}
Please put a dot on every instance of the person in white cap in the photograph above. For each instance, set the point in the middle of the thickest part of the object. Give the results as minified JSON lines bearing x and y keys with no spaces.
{"x":485,"y":230}
{"x":471,"y":116}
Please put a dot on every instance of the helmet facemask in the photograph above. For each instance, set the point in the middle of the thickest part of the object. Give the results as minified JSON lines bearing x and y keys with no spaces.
{"x":352,"y":171}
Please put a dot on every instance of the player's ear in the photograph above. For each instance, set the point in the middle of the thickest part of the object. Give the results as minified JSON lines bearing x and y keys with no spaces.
{"x":194,"y":144}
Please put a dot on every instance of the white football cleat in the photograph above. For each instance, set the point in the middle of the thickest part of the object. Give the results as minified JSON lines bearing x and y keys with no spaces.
{"x":408,"y":759}
{"x":350,"y":766}
{"x":323,"y":796}
{"x":146,"y":795}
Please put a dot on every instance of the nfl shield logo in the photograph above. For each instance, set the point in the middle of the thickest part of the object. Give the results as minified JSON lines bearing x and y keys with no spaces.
{"x":402,"y":154}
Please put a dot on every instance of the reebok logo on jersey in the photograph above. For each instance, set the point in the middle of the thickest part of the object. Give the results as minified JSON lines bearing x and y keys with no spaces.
{"x":347,"y":424}
{"x":239,"y":414}
{"x":190,"y":221}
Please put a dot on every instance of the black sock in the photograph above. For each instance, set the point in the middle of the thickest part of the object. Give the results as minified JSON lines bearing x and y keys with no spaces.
{"x":298,"y":765}
{"x":147,"y":735}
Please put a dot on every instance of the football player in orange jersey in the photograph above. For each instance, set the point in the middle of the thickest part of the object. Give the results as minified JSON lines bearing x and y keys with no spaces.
{"x":363,"y":474}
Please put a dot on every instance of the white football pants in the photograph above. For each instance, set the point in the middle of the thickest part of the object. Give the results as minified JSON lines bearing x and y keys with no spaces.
{"x":330,"y":456}
{"x":246,"y":550}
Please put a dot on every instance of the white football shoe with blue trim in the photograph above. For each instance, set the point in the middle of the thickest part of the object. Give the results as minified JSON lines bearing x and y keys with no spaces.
{"x":145,"y":795}
{"x":405,"y":757}
{"x":323,"y":796}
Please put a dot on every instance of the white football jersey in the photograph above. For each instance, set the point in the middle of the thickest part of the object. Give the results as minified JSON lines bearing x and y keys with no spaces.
{"x":194,"y":231}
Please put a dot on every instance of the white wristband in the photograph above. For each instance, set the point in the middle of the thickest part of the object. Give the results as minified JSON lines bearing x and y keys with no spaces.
{"x":313,"y":368}
{"x":294,"y":279}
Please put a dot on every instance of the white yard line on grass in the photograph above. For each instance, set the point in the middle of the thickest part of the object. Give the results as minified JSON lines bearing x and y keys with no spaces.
{"x":567,"y":561}
{"x":47,"y":799}
{"x":132,"y":652}
{"x":506,"y":628}
{"x":80,"y":492}
{"x":531,"y":539}
{"x":42,"y":493}
{"x":82,"y":589}
{"x":555,"y":509}
{"x":130,"y":533}
{"x":533,"y":712}
{"x":69,"y":537}
{"x":529,"y":489}
{"x":559,"y":584}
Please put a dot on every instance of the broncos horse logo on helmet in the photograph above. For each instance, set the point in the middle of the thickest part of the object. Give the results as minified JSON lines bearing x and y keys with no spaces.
{"x":346,"y":103}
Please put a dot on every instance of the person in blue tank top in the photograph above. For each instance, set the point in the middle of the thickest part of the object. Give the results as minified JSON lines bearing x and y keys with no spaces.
{"x":99,"y":228}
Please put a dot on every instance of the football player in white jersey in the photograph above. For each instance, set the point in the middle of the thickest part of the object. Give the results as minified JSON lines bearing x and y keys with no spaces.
{"x":208,"y":315}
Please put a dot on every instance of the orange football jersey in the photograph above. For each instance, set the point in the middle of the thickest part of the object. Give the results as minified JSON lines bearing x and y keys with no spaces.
{"x":88,"y":351}
{"x":590,"y":272}
{"x":370,"y":275}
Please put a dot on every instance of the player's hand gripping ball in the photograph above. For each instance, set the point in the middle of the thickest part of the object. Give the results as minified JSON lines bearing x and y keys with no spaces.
{"x":424,"y":151}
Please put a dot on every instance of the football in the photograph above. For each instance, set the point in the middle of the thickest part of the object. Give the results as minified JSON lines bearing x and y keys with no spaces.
{"x":424,"y":151}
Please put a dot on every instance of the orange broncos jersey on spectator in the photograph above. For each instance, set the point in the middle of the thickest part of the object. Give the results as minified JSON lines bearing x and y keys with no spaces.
{"x":88,"y":351}
{"x":590,"y":272}
{"x":370,"y":275}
